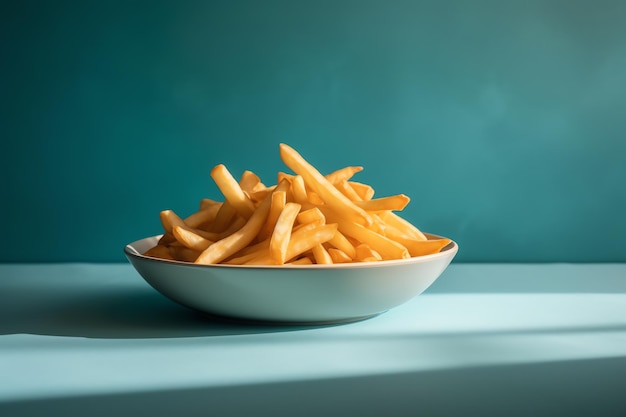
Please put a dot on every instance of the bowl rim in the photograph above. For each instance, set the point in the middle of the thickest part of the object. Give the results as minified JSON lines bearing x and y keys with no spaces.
{"x":449,"y":250}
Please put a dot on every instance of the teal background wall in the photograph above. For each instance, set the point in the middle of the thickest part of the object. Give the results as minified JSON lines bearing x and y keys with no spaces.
{"x":504,"y":121}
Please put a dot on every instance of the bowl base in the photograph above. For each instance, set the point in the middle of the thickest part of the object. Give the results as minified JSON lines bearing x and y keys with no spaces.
{"x":282,"y":323}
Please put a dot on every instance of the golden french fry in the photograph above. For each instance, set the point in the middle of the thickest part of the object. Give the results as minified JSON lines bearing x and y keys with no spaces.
{"x":306,"y":239}
{"x":166,"y":239}
{"x":299,"y":190}
{"x":307,"y":226}
{"x":183,"y":253}
{"x":238,"y":240}
{"x":410,"y":242}
{"x":279,"y":199}
{"x":284,"y":176}
{"x":378,"y":225}
{"x":257,"y":247}
{"x":190,"y":239}
{"x":203,"y":216}
{"x":311,"y":215}
{"x":365,"y":191}
{"x":232,"y":191}
{"x":249,"y":182}
{"x":341,"y":242}
{"x":324,"y":188}
{"x":321,"y":255}
{"x":394,"y":202}
{"x":305,"y":260}
{"x":159,"y":251}
{"x":282,"y":232}
{"x":205,"y":203}
{"x":230,"y":245}
{"x":386,"y":247}
{"x":224,"y":217}
{"x":365,"y":253}
{"x":427,"y":247}
{"x":314,"y":199}
{"x":258,"y":194}
{"x":300,"y":242}
{"x":399,"y":223}
{"x":348,"y":191}
{"x":343,"y":174}
{"x":235,"y":225}
{"x":338,"y":256}
{"x":169,"y":219}
{"x":245,"y":257}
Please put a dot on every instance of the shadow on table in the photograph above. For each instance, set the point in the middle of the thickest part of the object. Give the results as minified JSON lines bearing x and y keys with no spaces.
{"x":590,"y":387}
{"x":137,"y":312}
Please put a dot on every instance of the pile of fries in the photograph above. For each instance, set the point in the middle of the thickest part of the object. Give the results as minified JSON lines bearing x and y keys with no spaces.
{"x":306,"y":218}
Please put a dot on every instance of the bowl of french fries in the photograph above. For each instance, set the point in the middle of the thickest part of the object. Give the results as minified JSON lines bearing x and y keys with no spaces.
{"x":312,"y":248}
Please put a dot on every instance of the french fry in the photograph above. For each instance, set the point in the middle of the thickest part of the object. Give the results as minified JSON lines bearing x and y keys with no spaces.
{"x":427,"y":247}
{"x":238,"y":240}
{"x":190,"y":239}
{"x":348,"y":191}
{"x":386,"y":247}
{"x":307,"y":226}
{"x":230,"y":245}
{"x":301,"y":241}
{"x":160,"y":251}
{"x":224,"y":217}
{"x":245,"y":258}
{"x":250,"y":182}
{"x":324,"y":188}
{"x":169,"y":220}
{"x":343,"y":174}
{"x":314,"y":199}
{"x":338,"y":256}
{"x":282,"y":233}
{"x":306,"y":240}
{"x":394,"y":202}
{"x":364,"y":253}
{"x":311,"y":215}
{"x":232,"y":191}
{"x":235,"y":225}
{"x":205,"y":215}
{"x":398,"y":222}
{"x":279,"y":199}
{"x":298,"y":189}
{"x":167,"y":239}
{"x":258,"y":247}
{"x":365,"y":191}
{"x":284,"y":176}
{"x":258,"y":194}
{"x":321,"y":255}
{"x":305,"y":260}
{"x":410,"y":242}
{"x":205,"y":203}
{"x":341,"y":242}
{"x":182,"y":253}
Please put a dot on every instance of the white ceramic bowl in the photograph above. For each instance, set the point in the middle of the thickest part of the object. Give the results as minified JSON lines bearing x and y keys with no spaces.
{"x":291,"y":294}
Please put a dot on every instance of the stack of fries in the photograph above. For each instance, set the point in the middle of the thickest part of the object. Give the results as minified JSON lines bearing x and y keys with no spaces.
{"x":306,"y":218}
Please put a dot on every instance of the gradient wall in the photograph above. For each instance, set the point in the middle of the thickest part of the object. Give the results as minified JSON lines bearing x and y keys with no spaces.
{"x":505,"y":122}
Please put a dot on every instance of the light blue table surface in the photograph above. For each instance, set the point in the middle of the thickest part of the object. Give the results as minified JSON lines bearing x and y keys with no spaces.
{"x":485,"y":339}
